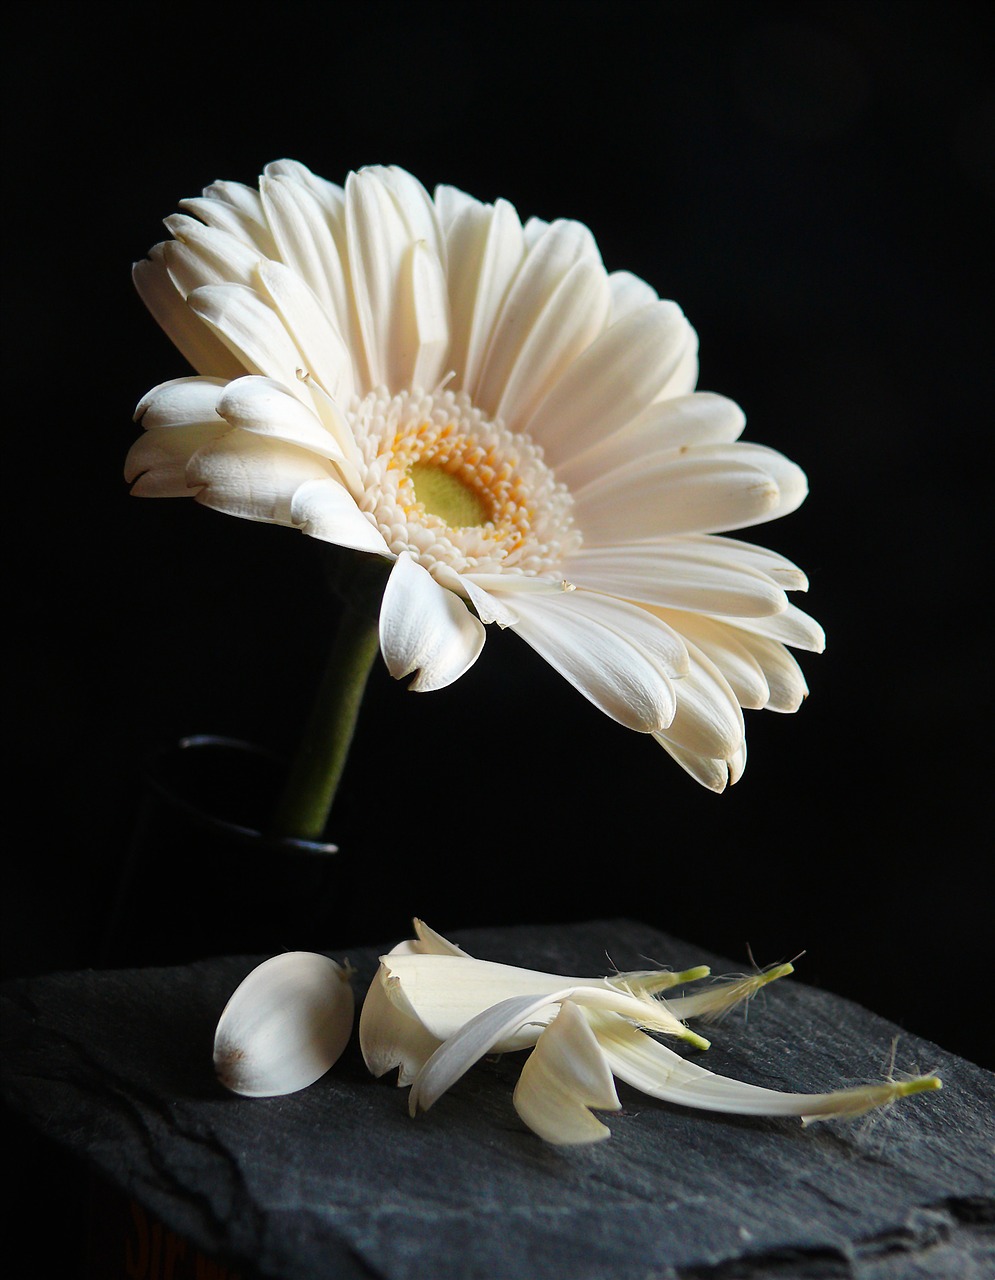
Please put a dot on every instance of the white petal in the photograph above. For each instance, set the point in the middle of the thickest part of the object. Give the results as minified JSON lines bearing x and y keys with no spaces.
{"x":301,"y":230}
{"x":191,"y":337}
{"x":415,"y":206}
{"x":252,"y":476}
{"x":496,"y":1026}
{"x":656,"y":1070}
{"x":178,"y":419}
{"x":558,"y":249}
{"x":156,"y":464}
{"x":615,"y":671}
{"x":323,"y":352}
{"x":378,"y":241}
{"x":389,"y":1038}
{"x":679,"y":573}
{"x":268,"y":408}
{"x":565,"y":1075}
{"x":444,"y":992}
{"x":202,"y":255}
{"x":793,"y":627}
{"x":180,"y":402}
{"x":423,"y":320}
{"x":628,"y":294}
{"x":426,"y":629}
{"x":251,"y":330}
{"x":286,"y":1023}
{"x":719,"y":643}
{"x":709,"y":719}
{"x":709,"y":489}
{"x":677,"y":424}
{"x":236,"y":209}
{"x":485,"y":249}
{"x":324,"y":509}
{"x":566,"y":326}
{"x":611,"y":383}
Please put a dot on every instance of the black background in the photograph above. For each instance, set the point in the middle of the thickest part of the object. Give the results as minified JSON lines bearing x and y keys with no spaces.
{"x":811,"y":182}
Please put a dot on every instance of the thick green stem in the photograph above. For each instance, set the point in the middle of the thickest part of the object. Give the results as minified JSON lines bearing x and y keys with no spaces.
{"x":317,"y":767}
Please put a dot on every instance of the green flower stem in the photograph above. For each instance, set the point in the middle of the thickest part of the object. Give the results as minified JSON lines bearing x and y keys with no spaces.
{"x":317,"y":766}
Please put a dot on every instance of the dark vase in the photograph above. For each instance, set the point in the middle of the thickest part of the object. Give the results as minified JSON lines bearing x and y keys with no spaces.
{"x":203,"y":878}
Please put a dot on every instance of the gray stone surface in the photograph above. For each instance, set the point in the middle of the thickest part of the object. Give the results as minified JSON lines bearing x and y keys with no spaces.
{"x":115,"y":1068}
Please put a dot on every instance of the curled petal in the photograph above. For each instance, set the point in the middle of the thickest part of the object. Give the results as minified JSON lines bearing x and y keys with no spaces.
{"x":285,"y":1024}
{"x":566,"y":1075}
{"x":426,"y":629}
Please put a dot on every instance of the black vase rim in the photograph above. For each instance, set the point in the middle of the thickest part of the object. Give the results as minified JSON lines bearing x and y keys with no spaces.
{"x":197,"y":813}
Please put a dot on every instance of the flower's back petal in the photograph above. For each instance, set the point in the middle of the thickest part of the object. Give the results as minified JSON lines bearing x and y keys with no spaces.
{"x":426,"y":629}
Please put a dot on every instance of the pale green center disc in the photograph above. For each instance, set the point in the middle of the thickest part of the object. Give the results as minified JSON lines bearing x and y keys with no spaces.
{"x":446,"y":496}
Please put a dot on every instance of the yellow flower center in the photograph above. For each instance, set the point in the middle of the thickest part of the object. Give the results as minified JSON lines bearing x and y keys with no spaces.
{"x":446,"y":494}
{"x":457,"y":489}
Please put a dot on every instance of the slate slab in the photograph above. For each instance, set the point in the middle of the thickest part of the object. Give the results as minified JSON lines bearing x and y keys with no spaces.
{"x":114,"y":1069}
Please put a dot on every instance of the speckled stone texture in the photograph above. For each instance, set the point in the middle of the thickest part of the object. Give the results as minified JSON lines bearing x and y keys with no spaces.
{"x":111,"y":1071}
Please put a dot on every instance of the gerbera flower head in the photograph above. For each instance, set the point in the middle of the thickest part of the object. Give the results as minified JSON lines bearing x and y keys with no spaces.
{"x":511,"y":426}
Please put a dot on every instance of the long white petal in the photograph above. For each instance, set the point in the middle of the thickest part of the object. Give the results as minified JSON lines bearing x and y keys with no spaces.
{"x":195,"y":341}
{"x":200,"y":255}
{"x":485,"y":248}
{"x":629,"y":293}
{"x":559,"y":248}
{"x":572,"y":318}
{"x":389,"y":1038}
{"x":566,"y":1074}
{"x":301,"y":230}
{"x":612,"y":670}
{"x":611,"y":382}
{"x":378,"y":242}
{"x":709,"y":489}
{"x":497,"y":1026}
{"x":180,"y":402}
{"x":324,"y":353}
{"x":445,"y":992}
{"x":251,"y":330}
{"x":655,"y":1069}
{"x":709,"y":719}
{"x":680,"y":423}
{"x":422,"y":319}
{"x":426,"y":629}
{"x":793,"y":627}
{"x":679,"y":573}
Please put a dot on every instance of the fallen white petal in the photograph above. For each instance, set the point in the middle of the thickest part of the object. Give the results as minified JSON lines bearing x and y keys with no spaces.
{"x":285,"y":1024}
{"x":565,"y":1075}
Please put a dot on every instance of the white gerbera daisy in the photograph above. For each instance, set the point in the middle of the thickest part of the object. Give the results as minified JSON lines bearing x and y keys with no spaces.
{"x":509,"y":424}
